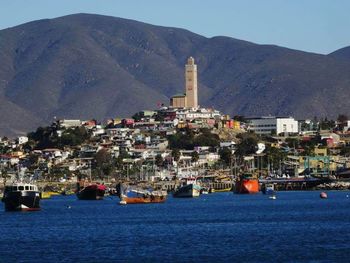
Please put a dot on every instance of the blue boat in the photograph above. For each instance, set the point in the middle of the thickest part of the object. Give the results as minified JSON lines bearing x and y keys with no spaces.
{"x":268,"y":189}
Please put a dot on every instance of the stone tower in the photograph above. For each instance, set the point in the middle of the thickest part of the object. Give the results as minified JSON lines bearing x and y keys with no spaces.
{"x":191,"y":83}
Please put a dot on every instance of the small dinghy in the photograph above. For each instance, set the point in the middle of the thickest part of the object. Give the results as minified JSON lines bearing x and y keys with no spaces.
{"x":323,"y":195}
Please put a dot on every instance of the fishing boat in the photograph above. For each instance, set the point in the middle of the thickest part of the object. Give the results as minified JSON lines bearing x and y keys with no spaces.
{"x":221,"y":190}
{"x":45,"y":195}
{"x":90,"y":191}
{"x":190,"y":188}
{"x":247,"y":183}
{"x":135,"y":195}
{"x":21,"y":197}
{"x":268,"y":189}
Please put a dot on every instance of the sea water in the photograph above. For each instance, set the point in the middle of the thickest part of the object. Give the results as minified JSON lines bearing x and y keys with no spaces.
{"x":219,"y":227}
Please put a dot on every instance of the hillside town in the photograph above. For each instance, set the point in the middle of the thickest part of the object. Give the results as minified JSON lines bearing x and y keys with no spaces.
{"x":171,"y":131}
{"x":183,"y":140}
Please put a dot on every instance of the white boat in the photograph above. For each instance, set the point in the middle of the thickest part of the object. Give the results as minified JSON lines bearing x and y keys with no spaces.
{"x":190,"y":188}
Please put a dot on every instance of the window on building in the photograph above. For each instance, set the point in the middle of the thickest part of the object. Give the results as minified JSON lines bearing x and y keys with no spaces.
{"x":284,"y":127}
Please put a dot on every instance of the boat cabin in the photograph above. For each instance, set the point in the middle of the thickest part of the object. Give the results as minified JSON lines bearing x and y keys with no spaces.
{"x":189,"y":180}
{"x":21,"y":187}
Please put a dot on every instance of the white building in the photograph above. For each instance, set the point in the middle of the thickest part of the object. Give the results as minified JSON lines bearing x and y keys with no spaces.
{"x":273,"y":125}
{"x":201,"y":113}
{"x":69,"y":123}
{"x":22,"y":139}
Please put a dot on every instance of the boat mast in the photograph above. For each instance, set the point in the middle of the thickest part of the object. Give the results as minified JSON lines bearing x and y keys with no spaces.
{"x":90,"y":171}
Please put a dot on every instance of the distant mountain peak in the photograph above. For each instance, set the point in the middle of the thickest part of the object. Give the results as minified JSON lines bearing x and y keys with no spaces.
{"x":94,"y":66}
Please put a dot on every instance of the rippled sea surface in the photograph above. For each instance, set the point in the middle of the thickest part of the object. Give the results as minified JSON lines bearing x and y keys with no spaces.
{"x":219,"y":227}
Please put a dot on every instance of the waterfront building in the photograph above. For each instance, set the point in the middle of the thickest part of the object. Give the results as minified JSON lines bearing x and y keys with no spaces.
{"x":273,"y":125}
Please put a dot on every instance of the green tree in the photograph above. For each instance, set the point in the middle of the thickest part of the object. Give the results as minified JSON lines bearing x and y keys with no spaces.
{"x":342,"y":121}
{"x":292,"y":142}
{"x":33,"y":160}
{"x":309,"y":145}
{"x":137,"y":116}
{"x":345,"y":151}
{"x":159,"y":160}
{"x":122,"y":155}
{"x":247,"y":145}
{"x":159,"y":116}
{"x":342,"y":118}
{"x":275,"y":156}
{"x":206,"y":138}
{"x":326,"y":124}
{"x":47,"y":137}
{"x":181,"y":141}
{"x":104,"y":162}
{"x":73,"y":137}
{"x":44,"y":137}
{"x":226,"y":155}
{"x":4,"y":149}
{"x":239,"y":118}
{"x":194,"y":157}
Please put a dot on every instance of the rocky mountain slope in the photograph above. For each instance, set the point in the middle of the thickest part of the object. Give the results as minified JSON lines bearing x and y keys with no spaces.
{"x":93,"y":66}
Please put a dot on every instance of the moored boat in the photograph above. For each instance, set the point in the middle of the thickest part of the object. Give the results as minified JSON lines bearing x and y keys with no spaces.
{"x":222,"y":190}
{"x":268,"y":189}
{"x":247,"y":183}
{"x":45,"y":195}
{"x":90,"y":191}
{"x":190,"y":188}
{"x":323,"y":195}
{"x":21,"y":197}
{"x":135,"y":195}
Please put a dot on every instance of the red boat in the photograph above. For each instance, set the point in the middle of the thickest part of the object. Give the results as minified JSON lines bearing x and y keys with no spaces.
{"x":90,"y":191}
{"x":247,"y":184}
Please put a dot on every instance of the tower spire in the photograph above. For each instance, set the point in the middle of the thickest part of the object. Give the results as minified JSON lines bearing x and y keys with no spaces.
{"x":191,"y":83}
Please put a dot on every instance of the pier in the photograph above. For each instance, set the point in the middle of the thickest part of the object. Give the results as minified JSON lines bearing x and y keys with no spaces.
{"x":285,"y":184}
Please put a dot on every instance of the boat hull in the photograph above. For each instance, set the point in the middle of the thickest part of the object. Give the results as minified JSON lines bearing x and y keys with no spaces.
{"x":22,"y":201}
{"x":136,"y":195}
{"x":268,"y":189}
{"x":144,"y":200}
{"x":247,"y":186}
{"x":45,"y":195}
{"x":190,"y":190}
{"x":91,"y":192}
{"x":222,"y":190}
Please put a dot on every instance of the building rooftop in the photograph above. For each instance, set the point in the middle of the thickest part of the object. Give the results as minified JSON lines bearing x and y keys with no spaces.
{"x":179,"y":95}
{"x":268,"y":117}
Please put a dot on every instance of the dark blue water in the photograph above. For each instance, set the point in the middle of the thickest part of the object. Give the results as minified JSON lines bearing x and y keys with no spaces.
{"x":221,"y":227}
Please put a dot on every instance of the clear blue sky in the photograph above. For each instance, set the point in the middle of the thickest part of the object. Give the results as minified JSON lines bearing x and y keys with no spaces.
{"x":320,"y":26}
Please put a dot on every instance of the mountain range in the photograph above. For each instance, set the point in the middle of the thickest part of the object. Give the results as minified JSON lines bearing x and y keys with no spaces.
{"x":86,"y":66}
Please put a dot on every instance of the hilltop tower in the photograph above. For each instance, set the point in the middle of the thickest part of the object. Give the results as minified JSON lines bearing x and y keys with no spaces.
{"x":191,"y":83}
